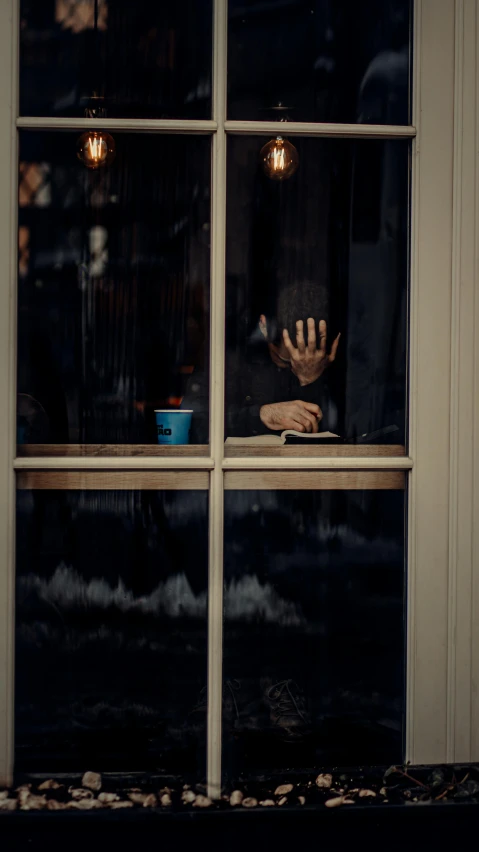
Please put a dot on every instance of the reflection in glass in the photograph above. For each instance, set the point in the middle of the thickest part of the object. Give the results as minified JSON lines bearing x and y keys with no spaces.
{"x":145,"y":59}
{"x":111,"y":627}
{"x":113,"y":297}
{"x":331,"y":244}
{"x":314,"y":640}
{"x":322,"y":60}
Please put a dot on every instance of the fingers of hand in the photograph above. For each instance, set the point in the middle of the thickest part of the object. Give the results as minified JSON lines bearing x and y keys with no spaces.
{"x":323,"y":333}
{"x":311,"y":335}
{"x":287,"y":342}
{"x":334,"y":348}
{"x":305,"y":417}
{"x":300,"y":337}
{"x":312,"y":407}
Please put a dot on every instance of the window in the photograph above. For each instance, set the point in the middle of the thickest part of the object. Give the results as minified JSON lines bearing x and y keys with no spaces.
{"x":225,"y":579}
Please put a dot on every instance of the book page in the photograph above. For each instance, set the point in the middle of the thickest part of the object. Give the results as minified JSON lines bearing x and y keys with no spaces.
{"x":274,"y":440}
{"x":307,"y":435}
{"x":257,"y":440}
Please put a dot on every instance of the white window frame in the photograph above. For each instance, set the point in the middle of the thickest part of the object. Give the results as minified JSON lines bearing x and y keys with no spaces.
{"x":442,"y":720}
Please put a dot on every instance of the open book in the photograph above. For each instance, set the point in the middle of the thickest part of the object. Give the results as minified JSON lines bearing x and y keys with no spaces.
{"x":289,"y":436}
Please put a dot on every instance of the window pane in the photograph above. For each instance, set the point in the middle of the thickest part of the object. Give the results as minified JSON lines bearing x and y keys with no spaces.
{"x":113,"y":286}
{"x":145,"y":59}
{"x":324,"y":60}
{"x":314,"y":660}
{"x":329,"y":243}
{"x":111,"y":630}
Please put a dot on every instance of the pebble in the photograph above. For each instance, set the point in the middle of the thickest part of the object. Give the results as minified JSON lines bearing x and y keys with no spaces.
{"x":78,"y":793}
{"x":108,"y":798}
{"x":3,"y":795}
{"x":23,"y":795}
{"x":117,"y":805}
{"x":188,"y":797}
{"x":250,"y":802}
{"x":383,"y":791}
{"x":92,"y":780}
{"x":138,"y":798}
{"x":54,"y":805}
{"x":84,"y":805}
{"x":283,"y":800}
{"x":165,"y":800}
{"x":364,"y":793}
{"x":50,"y":784}
{"x":324,"y":780}
{"x":236,"y":798}
{"x":267,"y":803}
{"x":8,"y":804}
{"x":301,"y":800}
{"x":283,"y":789}
{"x":33,"y":803}
{"x":151,"y":801}
{"x":339,"y":800}
{"x":202,"y":802}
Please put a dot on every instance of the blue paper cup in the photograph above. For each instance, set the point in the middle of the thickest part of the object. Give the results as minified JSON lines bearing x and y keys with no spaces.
{"x":173,"y":425}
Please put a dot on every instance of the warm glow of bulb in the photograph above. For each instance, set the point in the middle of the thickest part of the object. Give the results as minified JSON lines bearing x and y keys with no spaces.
{"x":279,"y":158}
{"x":96,"y":149}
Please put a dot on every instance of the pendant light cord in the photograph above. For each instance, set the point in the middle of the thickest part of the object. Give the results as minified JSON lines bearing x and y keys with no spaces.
{"x":97,"y":46}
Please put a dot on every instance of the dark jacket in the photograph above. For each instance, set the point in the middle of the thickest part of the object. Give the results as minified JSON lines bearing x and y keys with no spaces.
{"x":252,"y":380}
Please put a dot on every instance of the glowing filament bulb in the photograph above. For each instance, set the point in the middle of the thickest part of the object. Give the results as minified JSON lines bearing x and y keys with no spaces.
{"x":96,"y":149}
{"x":279,"y":158}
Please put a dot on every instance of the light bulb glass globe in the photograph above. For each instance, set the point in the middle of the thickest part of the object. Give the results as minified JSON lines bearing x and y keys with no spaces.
{"x":279,"y":159}
{"x":96,"y":149}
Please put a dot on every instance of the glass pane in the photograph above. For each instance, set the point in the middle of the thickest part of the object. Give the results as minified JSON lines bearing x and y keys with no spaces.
{"x":113,"y":305}
{"x":144,"y":59}
{"x":321,"y":60}
{"x":314,"y":636}
{"x":330,"y":243}
{"x":111,"y":630}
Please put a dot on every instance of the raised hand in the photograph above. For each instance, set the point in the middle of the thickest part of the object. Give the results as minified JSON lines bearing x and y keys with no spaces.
{"x":299,"y":415}
{"x":308,"y":362}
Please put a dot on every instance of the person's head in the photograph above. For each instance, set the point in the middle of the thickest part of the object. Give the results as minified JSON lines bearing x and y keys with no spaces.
{"x":298,"y":302}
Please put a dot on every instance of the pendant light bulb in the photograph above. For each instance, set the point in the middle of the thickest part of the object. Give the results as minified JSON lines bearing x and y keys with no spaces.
{"x":279,"y":159}
{"x":96,"y":149}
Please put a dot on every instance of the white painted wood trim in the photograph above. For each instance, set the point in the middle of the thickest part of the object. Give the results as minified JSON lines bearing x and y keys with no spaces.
{"x":114,"y":463}
{"x":333,"y":131}
{"x":431,"y":264}
{"x":130,"y":125}
{"x":204,"y":463}
{"x":8,"y":255}
{"x":475,"y":449}
{"x":217,"y":376}
{"x":413,"y":385}
{"x":455,"y":414}
{"x":318,"y":463}
{"x":463,"y":506}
